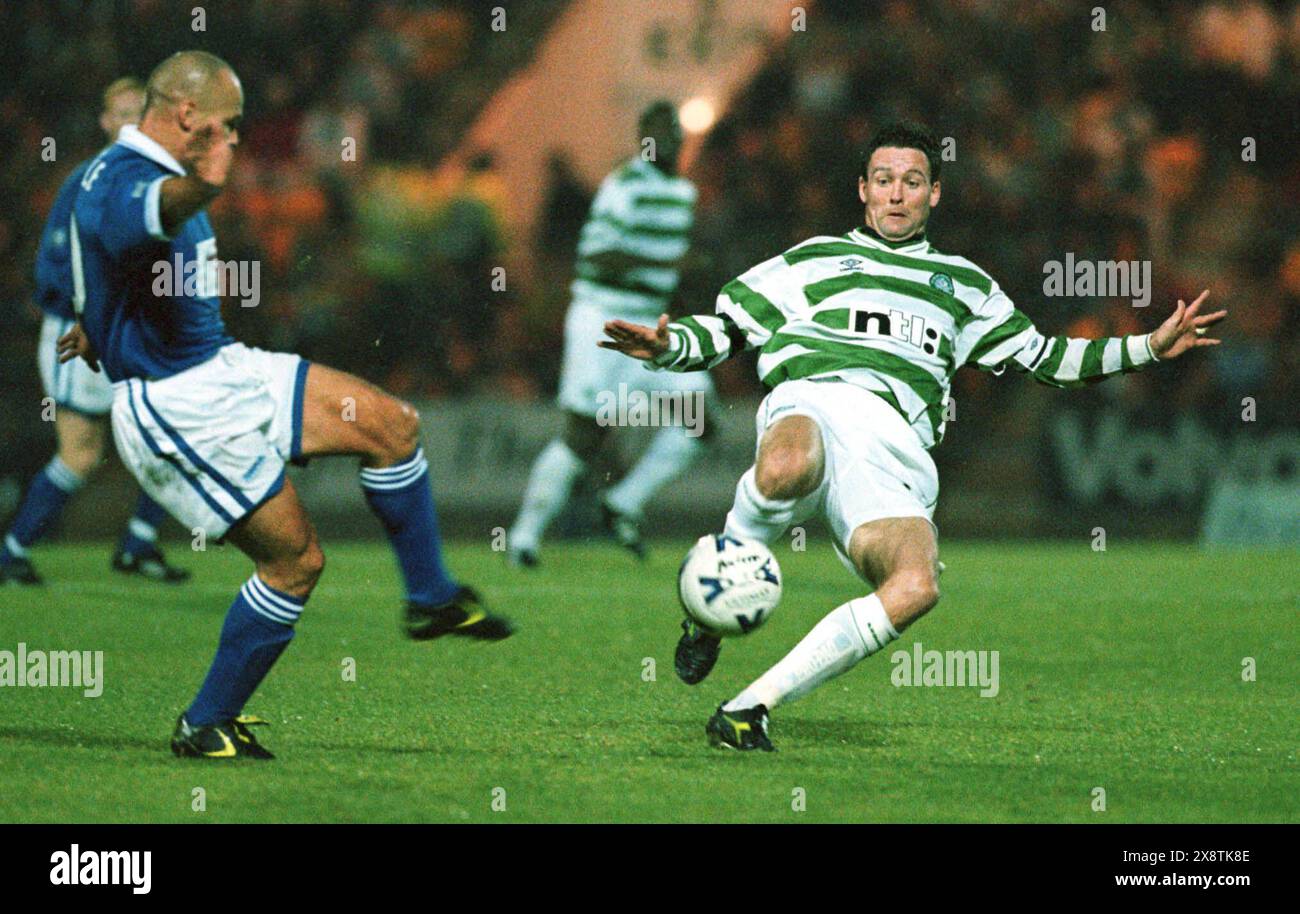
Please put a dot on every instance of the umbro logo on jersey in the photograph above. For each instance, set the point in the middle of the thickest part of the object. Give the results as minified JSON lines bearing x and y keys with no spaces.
{"x":850,"y":263}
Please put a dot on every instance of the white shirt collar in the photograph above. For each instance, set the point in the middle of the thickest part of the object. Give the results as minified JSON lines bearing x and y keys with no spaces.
{"x":131,"y":137}
{"x":907,"y":247}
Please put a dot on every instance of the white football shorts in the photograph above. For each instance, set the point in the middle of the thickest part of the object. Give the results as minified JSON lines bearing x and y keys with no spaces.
{"x":875,"y":464}
{"x":591,"y":374}
{"x":72,"y":385}
{"x":210,"y":444}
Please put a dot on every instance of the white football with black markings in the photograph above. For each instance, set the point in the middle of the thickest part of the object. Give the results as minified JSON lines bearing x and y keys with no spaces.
{"x":729,"y":585}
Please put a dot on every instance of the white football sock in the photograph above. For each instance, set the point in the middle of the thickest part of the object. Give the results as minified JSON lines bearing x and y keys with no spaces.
{"x":847,"y":634}
{"x":142,"y":530}
{"x":671,"y":451}
{"x":549,"y":485}
{"x":754,"y":516}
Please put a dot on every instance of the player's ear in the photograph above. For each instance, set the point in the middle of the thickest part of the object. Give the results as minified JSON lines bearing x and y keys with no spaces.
{"x":187,"y":115}
{"x":934,"y":195}
{"x":862,"y":188}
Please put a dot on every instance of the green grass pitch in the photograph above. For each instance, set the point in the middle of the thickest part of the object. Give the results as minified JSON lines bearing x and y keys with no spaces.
{"x":1121,"y":670}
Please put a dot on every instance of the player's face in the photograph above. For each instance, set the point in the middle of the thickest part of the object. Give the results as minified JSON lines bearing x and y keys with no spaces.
{"x":122,"y":109}
{"x":223,"y":113}
{"x":898,"y":192}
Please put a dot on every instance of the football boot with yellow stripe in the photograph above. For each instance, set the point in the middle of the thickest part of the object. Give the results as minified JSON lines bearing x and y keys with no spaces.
{"x":229,"y":740}
{"x":742,"y":730}
{"x":462,"y":615}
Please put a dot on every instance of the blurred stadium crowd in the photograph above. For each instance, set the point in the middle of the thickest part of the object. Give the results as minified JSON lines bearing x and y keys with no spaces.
{"x":364,"y":263}
{"x":1118,"y":145}
{"x":1126,"y":144}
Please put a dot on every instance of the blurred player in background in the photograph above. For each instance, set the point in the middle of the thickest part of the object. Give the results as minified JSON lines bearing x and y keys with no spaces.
{"x":207,"y":424}
{"x":82,"y":397}
{"x":859,"y":336}
{"x":629,"y":262}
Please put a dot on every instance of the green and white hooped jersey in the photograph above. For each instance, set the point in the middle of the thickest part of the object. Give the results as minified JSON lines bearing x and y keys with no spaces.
{"x":631,"y":247}
{"x":897,"y":319}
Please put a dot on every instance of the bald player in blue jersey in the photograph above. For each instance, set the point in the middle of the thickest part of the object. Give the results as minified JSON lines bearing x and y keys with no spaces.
{"x":81,"y":397}
{"x":207,"y":424}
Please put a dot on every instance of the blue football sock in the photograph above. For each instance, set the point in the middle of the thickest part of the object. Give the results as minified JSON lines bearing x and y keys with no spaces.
{"x":141,"y":532}
{"x":258,"y":627}
{"x":401,"y":498}
{"x":48,"y":493}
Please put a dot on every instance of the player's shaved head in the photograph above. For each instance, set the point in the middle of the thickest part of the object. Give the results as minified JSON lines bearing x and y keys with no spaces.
{"x":193,"y":98}
{"x":195,"y":76}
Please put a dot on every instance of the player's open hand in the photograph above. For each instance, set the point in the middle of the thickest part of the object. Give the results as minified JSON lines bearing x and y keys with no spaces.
{"x":75,"y":343}
{"x":209,"y":155}
{"x":637,"y":340}
{"x":1185,"y":329}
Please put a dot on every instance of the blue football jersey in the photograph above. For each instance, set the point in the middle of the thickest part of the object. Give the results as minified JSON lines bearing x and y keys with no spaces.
{"x":141,"y":325}
{"x":53,"y":271}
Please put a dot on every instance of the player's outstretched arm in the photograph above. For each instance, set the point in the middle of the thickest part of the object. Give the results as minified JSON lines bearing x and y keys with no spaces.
{"x":697,"y":342}
{"x":1008,"y":338}
{"x":1185,"y":329}
{"x":637,"y":340}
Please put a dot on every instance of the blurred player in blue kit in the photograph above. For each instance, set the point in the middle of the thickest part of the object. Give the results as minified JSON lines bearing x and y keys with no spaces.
{"x":81,"y":396}
{"x":207,"y":425}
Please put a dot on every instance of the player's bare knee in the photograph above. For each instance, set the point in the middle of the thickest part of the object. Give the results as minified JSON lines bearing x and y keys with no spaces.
{"x":917,"y":589}
{"x":784,"y":472}
{"x":406,"y":429}
{"x":397,"y":433}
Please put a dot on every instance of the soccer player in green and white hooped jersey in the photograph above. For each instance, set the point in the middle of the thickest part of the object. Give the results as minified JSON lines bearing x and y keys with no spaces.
{"x":858,"y":337}
{"x":629,"y":258}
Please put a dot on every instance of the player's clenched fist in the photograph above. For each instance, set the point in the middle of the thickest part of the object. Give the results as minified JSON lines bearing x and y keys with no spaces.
{"x":637,"y":340}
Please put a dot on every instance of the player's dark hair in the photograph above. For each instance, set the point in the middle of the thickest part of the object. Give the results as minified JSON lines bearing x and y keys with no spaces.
{"x":906,"y":135}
